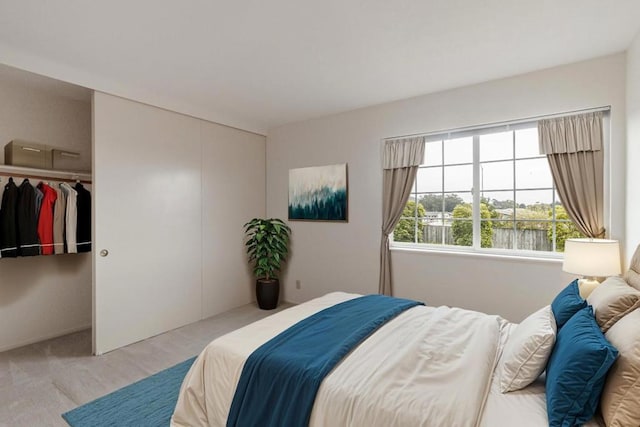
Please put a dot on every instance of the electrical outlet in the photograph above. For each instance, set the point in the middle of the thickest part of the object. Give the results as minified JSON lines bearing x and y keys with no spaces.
{"x":297,"y":284}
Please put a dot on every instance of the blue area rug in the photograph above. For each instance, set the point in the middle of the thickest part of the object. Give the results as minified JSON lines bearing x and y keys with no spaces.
{"x":147,"y":403}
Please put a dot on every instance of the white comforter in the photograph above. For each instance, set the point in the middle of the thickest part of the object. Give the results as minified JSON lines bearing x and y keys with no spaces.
{"x":427,"y":367}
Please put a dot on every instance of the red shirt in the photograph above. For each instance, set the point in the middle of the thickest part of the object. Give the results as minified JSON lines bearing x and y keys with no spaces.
{"x":45,"y":221}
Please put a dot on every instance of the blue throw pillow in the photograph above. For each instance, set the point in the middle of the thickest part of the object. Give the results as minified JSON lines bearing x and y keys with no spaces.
{"x":577,"y":370}
{"x":567,"y":303}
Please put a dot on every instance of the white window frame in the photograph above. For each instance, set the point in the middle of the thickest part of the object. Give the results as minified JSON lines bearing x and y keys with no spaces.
{"x":475,"y":133}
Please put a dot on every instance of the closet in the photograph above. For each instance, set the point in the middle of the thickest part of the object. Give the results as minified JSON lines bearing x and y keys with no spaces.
{"x":170,"y":194}
{"x":44,"y":296}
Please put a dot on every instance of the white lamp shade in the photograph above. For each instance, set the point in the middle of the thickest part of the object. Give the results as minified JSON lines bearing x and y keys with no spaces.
{"x":592,"y":257}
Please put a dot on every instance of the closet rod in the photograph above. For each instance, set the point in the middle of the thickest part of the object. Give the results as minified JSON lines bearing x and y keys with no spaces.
{"x":53,"y":175}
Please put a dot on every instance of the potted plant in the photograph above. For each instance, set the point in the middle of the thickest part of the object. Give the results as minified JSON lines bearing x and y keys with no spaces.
{"x":267,"y":248}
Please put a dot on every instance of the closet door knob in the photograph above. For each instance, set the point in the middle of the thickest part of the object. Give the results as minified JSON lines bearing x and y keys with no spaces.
{"x":104,"y":253}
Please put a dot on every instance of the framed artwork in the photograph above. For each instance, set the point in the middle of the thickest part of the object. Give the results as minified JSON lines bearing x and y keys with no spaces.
{"x":318,"y":193}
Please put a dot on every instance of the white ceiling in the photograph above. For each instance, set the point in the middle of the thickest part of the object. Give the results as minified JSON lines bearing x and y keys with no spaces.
{"x":257,"y":64}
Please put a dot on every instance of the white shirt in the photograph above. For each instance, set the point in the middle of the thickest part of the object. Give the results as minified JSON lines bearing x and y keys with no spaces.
{"x":71,"y":218}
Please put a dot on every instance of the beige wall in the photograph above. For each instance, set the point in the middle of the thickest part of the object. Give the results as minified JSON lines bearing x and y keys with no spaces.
{"x":41,"y":297}
{"x":173,"y":193}
{"x":633,"y":146}
{"x":330,"y":256}
{"x":44,"y":117}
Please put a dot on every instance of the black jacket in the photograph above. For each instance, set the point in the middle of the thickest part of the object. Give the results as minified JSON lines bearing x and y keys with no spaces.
{"x":28,"y":244}
{"x":8,"y":221}
{"x":83,"y":230}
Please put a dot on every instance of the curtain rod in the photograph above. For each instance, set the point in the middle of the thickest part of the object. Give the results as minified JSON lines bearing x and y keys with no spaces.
{"x":504,"y":123}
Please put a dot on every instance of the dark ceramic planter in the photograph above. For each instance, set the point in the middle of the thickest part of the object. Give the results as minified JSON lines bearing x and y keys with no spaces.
{"x":267,"y":293}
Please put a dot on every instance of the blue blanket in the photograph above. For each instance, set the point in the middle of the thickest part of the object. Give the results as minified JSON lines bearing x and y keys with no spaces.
{"x":280,"y":380}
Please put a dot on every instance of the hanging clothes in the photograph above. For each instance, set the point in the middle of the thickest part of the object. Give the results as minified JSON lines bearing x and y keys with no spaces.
{"x":83,"y":234}
{"x":45,"y":219}
{"x":58,"y":221}
{"x":71,"y":218}
{"x":8,"y":221}
{"x":39,"y":197}
{"x":28,"y":244}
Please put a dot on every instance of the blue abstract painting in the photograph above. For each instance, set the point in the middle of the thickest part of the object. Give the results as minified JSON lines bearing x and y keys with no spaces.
{"x":318,"y":193}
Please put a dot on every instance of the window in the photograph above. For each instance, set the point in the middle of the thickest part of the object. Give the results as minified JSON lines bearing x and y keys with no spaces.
{"x":516,"y":207}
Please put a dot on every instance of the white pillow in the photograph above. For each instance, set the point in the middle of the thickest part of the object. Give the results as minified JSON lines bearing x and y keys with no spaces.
{"x":526,"y":353}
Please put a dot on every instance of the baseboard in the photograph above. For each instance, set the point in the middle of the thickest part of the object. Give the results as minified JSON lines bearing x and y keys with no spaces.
{"x":44,"y":337}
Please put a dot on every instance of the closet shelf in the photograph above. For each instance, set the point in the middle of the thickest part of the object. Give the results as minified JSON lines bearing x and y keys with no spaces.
{"x":56,"y":175}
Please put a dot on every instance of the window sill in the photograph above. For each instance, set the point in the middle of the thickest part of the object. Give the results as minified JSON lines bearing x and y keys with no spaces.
{"x":536,"y":258}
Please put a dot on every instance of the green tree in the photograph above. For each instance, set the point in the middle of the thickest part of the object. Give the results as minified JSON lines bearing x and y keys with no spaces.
{"x":532,"y":218}
{"x":502,"y":204}
{"x":540,"y":207}
{"x":564,"y":230}
{"x":405,"y":230}
{"x":433,"y":202}
{"x":463,"y":230}
{"x":490,"y":206}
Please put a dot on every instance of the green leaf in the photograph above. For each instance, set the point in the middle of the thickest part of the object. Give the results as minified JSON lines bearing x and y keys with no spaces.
{"x":267,"y":245}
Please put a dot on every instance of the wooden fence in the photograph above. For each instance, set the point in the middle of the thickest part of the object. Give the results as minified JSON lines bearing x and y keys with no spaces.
{"x":532,"y":240}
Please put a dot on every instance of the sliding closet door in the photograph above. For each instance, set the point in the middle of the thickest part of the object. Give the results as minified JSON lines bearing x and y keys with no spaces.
{"x":147,"y":221}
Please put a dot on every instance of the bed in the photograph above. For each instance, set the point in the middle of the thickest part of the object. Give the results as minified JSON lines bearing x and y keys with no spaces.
{"x":429,"y":366}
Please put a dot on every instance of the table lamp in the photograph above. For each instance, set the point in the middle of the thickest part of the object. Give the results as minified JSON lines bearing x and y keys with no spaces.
{"x":591,"y":258}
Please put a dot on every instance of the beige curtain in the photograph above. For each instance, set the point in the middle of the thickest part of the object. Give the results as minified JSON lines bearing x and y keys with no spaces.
{"x":573,"y":146}
{"x":400,"y":161}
